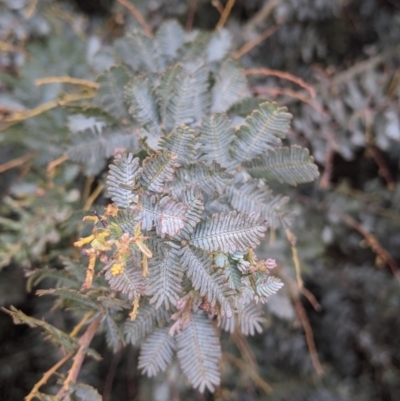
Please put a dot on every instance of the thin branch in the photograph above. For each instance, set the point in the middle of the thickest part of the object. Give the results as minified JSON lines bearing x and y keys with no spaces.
{"x":255,"y":42}
{"x":309,"y":336}
{"x":191,"y":13}
{"x":7,"y":47}
{"x":283,"y":75}
{"x":260,"y":382}
{"x":261,"y":15}
{"x":84,"y":343}
{"x":136,"y":13}
{"x":244,"y":349}
{"x":325,"y":181}
{"x":217,"y":4}
{"x":93,"y":197}
{"x":52,"y":165}
{"x":17,"y":162}
{"x":373,"y":242}
{"x":225,"y":14}
{"x":295,"y":256}
{"x":291,"y":93}
{"x":46,"y":376}
{"x":383,"y":169}
{"x":69,"y":98}
{"x":66,"y":80}
{"x":110,"y":376}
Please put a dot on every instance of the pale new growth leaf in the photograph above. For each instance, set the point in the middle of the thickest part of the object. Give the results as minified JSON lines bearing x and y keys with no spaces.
{"x":212,"y":180}
{"x":213,"y":285}
{"x":121,"y":179}
{"x":199,"y":352}
{"x":181,"y":143}
{"x":167,"y":215}
{"x":229,"y":232}
{"x":292,"y":165}
{"x":156,"y":352}
{"x":267,"y":285}
{"x":114,"y":336}
{"x":262,"y":130}
{"x":230,"y":87}
{"x":219,"y":45}
{"x":110,"y":94}
{"x":157,"y":170}
{"x":251,"y":318}
{"x":165,"y":278}
{"x":216,"y":137}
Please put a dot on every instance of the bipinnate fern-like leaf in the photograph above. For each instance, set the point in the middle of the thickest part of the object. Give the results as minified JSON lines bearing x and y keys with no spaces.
{"x":189,"y":99}
{"x":148,"y":318}
{"x":121,"y":179}
{"x":130,"y":281}
{"x":181,"y":143}
{"x":213,"y":285}
{"x":110,"y":94}
{"x":216,"y":137}
{"x":212,"y":180}
{"x":158,"y":169}
{"x":199,"y":352}
{"x":165,"y":278}
{"x":266,"y":286}
{"x":230,"y":87}
{"x":146,"y":52}
{"x":165,"y":92}
{"x":229,"y":232}
{"x":167,"y":214}
{"x":142,"y":103}
{"x":114,"y":336}
{"x":252,"y":197}
{"x":92,"y":148}
{"x":156,"y":352}
{"x":193,"y":198}
{"x":76,"y":392}
{"x":262,"y":130}
{"x":249,"y":320}
{"x":170,"y":37}
{"x":292,"y":165}
{"x":219,"y":46}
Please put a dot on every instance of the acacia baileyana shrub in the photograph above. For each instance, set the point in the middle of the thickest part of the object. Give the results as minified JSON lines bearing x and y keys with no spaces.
{"x":172,"y":258}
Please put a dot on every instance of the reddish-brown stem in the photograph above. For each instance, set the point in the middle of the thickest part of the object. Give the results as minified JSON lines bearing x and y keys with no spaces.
{"x":191,"y":13}
{"x":282,"y":75}
{"x":79,"y":357}
{"x":225,"y":14}
{"x":136,"y":13}
{"x":256,"y":41}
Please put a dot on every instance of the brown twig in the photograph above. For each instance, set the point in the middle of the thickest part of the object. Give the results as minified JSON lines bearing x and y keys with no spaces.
{"x":283,"y":75}
{"x":190,"y":16}
{"x":288,"y":92}
{"x":244,"y":349}
{"x":383,"y":169}
{"x":53,"y":164}
{"x":261,"y":15}
{"x":373,"y":242}
{"x":255,"y":42}
{"x":225,"y":14}
{"x":260,"y":382}
{"x":46,"y":376}
{"x":17,"y":162}
{"x":110,"y":376}
{"x":66,"y":80}
{"x":84,"y":343}
{"x":136,"y":13}
{"x":309,"y":336}
{"x":311,"y":298}
{"x":217,"y":4}
{"x":325,"y":182}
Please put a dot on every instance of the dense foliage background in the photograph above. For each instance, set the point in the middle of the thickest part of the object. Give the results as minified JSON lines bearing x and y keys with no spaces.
{"x":341,"y":342}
